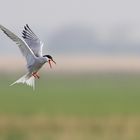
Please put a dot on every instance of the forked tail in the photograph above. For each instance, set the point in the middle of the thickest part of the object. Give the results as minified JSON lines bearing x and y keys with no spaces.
{"x":27,"y":79}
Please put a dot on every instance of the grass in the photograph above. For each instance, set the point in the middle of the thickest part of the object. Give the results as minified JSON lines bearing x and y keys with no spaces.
{"x":73,"y":95}
{"x":63,"y":107}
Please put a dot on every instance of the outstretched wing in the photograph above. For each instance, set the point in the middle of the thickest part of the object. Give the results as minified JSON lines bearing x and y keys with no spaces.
{"x":25,"y":50}
{"x":32,"y":40}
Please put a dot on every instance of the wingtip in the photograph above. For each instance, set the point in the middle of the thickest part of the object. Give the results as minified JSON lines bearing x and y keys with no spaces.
{"x":2,"y":27}
{"x":27,"y":25}
{"x":23,"y":36}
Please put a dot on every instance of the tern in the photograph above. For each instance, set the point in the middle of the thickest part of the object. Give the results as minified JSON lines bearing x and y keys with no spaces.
{"x":31,"y":48}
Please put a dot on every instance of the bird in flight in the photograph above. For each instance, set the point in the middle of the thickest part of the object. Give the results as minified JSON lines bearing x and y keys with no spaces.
{"x":31,"y":48}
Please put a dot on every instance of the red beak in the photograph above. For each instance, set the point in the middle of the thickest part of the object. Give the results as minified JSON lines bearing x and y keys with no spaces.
{"x":49,"y":61}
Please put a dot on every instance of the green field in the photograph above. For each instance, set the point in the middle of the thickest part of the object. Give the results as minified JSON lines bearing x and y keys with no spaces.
{"x":71,"y":107}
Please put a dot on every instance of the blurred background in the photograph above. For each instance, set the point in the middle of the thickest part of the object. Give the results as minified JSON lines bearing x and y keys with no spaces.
{"x":94,"y":90}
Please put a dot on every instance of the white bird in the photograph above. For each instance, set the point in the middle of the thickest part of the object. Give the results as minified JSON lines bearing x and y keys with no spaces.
{"x":31,"y":48}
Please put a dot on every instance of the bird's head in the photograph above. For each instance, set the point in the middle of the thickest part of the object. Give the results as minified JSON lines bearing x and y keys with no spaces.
{"x":49,"y":60}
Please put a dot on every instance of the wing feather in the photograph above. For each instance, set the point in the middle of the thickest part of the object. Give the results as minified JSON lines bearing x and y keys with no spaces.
{"x":32,"y":40}
{"x":23,"y":46}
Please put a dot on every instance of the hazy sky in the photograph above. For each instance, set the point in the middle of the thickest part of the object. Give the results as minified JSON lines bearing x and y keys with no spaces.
{"x":50,"y":15}
{"x":55,"y":13}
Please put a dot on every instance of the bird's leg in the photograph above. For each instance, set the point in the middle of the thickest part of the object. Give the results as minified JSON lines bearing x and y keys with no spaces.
{"x":35,"y":74}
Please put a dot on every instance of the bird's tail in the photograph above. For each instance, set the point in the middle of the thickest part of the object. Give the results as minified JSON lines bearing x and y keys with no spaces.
{"x":27,"y":79}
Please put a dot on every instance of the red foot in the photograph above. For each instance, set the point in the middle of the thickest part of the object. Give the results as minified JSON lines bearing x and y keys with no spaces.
{"x":35,"y":74}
